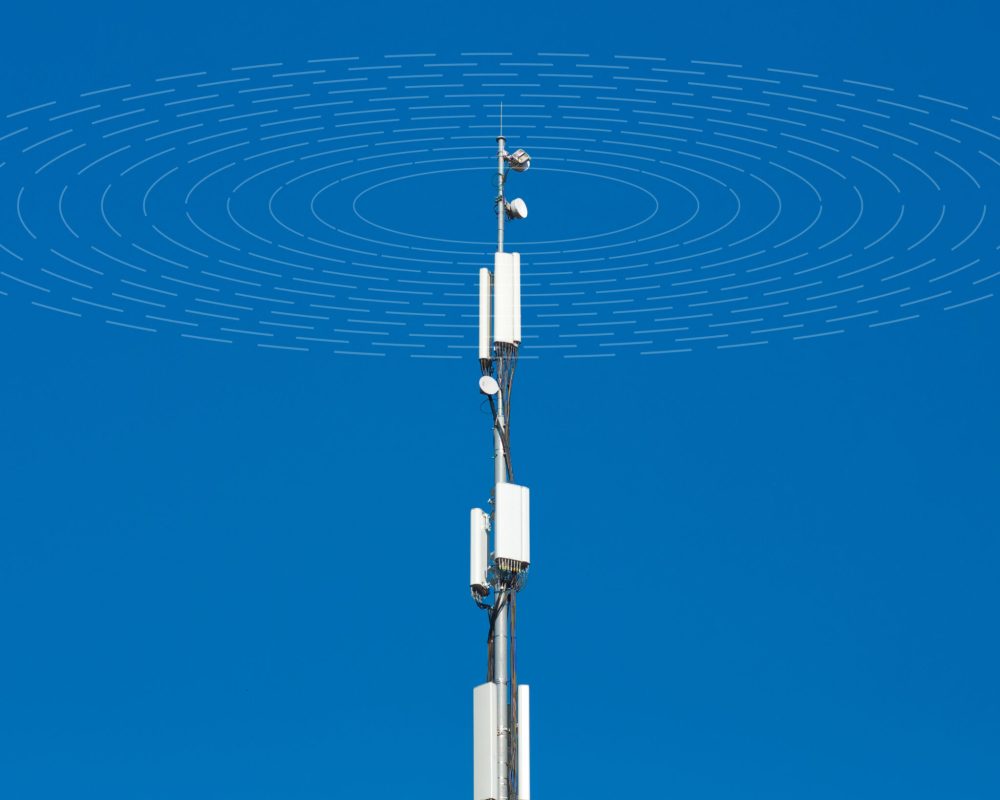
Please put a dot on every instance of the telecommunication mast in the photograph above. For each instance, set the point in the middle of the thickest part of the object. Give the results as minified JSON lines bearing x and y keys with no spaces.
{"x":501,"y":710}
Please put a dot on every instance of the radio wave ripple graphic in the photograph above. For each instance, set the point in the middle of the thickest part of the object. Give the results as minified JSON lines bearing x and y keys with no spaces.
{"x":343,"y":205}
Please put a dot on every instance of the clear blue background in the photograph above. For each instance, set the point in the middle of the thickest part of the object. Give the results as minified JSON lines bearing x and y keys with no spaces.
{"x":239,"y":574}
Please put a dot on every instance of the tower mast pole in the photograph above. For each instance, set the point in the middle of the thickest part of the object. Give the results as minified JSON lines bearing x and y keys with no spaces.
{"x":501,"y":142}
{"x":500,"y":475}
{"x":501,"y":739}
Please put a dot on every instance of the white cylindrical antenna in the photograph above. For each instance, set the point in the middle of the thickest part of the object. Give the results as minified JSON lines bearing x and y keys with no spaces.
{"x":478,"y":522}
{"x":516,"y":287}
{"x":484,"y":314}
{"x":523,"y":743}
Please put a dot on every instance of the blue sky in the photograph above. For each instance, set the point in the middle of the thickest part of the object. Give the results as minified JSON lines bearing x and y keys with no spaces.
{"x":234,"y":571}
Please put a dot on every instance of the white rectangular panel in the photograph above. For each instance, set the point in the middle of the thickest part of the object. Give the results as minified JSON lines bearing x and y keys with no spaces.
{"x":485,"y":785}
{"x":523,"y":742}
{"x":478,"y":549}
{"x":516,"y":298}
{"x":484,"y":313}
{"x":513,"y":523}
{"x":503,"y":298}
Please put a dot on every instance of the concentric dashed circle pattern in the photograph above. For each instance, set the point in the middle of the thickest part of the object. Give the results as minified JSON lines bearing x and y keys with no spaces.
{"x":279,"y":205}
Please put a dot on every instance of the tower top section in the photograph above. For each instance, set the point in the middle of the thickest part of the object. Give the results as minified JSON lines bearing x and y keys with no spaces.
{"x":518,"y":161}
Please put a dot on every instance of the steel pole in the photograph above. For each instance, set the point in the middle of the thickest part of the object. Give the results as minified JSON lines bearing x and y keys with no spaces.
{"x":500,"y":635}
{"x":500,"y":625}
{"x":501,"y":209}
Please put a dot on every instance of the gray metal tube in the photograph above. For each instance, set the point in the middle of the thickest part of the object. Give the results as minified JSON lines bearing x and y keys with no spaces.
{"x":500,"y":637}
{"x":503,"y":705}
{"x":501,"y":209}
{"x":500,"y":625}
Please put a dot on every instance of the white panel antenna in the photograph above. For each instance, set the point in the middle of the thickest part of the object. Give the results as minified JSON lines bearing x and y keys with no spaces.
{"x":503,"y":298}
{"x":478,"y":551}
{"x":512,"y":542}
{"x":523,"y":742}
{"x":484,"y":742}
{"x":484,"y":314}
{"x":516,"y":275}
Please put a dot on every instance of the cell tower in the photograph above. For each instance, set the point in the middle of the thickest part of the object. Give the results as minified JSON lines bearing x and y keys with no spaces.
{"x":501,"y":767}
